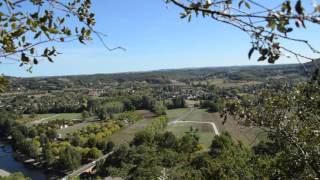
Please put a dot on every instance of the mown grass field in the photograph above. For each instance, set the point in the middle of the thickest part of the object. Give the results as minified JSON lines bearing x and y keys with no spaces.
{"x":43,"y":118}
{"x":248,"y":136}
{"x":70,"y":116}
{"x":126,"y":134}
{"x":175,"y":113}
{"x":26,"y":118}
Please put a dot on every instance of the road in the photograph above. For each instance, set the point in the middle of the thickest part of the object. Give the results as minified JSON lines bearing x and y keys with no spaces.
{"x":180,"y":120}
{"x":86,"y":167}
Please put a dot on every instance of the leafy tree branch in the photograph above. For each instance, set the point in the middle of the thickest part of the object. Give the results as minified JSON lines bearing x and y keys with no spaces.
{"x":267,"y":27}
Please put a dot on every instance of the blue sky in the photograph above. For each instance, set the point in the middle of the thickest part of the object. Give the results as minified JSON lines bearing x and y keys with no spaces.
{"x":155,"y":38}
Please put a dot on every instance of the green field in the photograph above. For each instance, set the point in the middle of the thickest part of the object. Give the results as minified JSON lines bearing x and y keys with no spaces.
{"x":26,"y":118}
{"x":70,"y":116}
{"x":248,"y":136}
{"x":205,"y":131}
{"x":43,"y":118}
{"x":126,"y":134}
{"x":175,"y":113}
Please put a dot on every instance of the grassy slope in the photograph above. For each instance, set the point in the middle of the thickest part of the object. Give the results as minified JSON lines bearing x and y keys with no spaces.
{"x":126,"y":134}
{"x":175,"y":113}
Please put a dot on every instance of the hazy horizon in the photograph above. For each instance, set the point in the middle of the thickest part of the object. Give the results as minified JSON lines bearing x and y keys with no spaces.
{"x":151,"y":70}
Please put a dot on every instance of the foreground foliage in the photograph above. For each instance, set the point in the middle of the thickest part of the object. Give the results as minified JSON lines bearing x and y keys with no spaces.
{"x":15,"y":176}
{"x":290,"y":116}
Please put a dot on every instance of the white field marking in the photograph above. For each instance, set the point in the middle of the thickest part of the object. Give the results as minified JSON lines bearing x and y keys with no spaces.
{"x":179,"y":120}
{"x":214,"y":127}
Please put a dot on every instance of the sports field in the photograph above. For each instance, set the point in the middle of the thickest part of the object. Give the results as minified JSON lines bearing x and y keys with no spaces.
{"x":248,"y":136}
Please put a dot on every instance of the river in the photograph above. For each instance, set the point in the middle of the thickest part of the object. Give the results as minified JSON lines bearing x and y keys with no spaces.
{"x":8,"y":163}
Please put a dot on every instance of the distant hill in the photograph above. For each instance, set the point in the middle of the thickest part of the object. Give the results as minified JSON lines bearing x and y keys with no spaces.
{"x":96,"y":81}
{"x":312,"y":64}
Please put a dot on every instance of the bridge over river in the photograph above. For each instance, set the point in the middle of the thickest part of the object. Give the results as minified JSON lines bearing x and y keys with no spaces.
{"x":87,"y":167}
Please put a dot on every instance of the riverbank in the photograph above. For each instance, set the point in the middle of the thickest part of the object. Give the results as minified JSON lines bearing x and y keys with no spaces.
{"x":4,"y":173}
{"x":9,"y":163}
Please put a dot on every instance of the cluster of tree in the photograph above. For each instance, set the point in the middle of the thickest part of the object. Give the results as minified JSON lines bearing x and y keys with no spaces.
{"x":153,"y":157}
{"x":40,"y":142}
{"x":216,"y":105}
{"x":7,"y":121}
{"x":157,"y":125}
{"x":177,"y":102}
{"x":290,"y":116}
{"x":129,"y":117}
{"x":84,"y":145}
{"x":22,"y":136}
{"x":105,"y":108}
{"x":46,"y":103}
{"x":71,"y":157}
{"x":148,"y":103}
{"x":53,"y":125}
{"x":148,"y":155}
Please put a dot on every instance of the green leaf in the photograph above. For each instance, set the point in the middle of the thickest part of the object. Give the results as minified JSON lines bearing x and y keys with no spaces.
{"x":32,"y":50}
{"x":53,"y":30}
{"x":24,"y":58}
{"x":50,"y":59}
{"x":189,"y":18}
{"x":29,"y":22}
{"x":81,"y":39}
{"x":18,"y":32}
{"x":262,"y":58}
{"x":299,"y":8}
{"x":13,"y":25}
{"x":37,"y":35}
{"x":182,"y":15}
{"x":35,"y":61}
{"x":251,"y":52}
{"x":240,"y":3}
{"x":247,"y":5}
